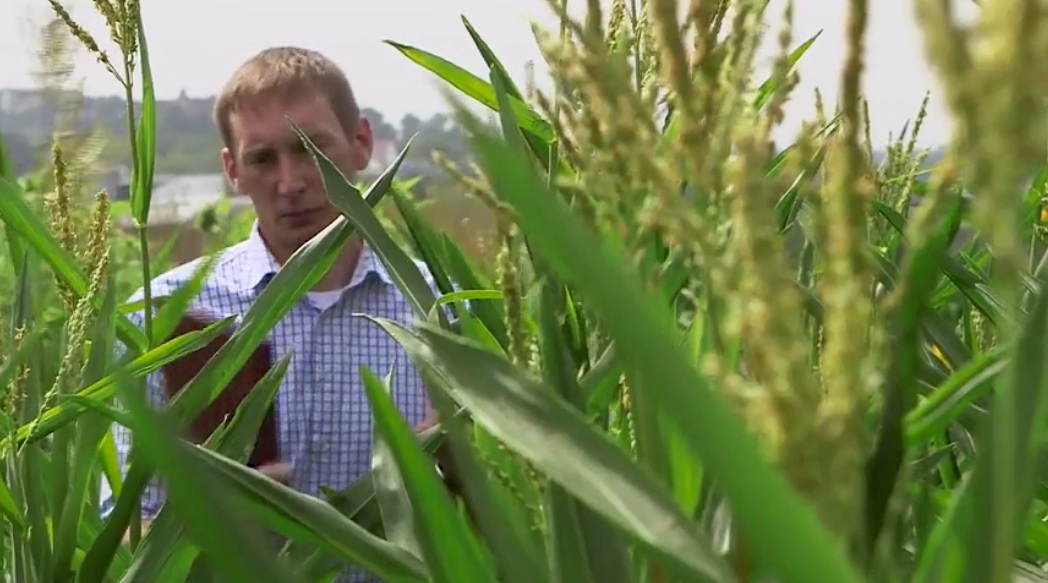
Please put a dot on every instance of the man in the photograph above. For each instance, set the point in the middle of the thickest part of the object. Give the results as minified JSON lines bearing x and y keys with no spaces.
{"x":325,"y":425}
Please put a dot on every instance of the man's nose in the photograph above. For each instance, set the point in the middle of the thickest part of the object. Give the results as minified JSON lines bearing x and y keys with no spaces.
{"x":292,"y":175}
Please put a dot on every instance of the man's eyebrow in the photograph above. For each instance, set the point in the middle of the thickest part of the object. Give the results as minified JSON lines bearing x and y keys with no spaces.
{"x":319,"y":136}
{"x":257,"y":149}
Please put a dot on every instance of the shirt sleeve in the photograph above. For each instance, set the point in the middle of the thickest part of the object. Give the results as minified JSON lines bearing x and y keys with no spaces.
{"x":153,"y":496}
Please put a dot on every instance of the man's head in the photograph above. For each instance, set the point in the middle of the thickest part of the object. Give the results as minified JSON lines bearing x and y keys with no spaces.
{"x":264,"y":158}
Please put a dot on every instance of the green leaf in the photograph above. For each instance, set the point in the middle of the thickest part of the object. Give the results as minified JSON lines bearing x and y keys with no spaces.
{"x":177,"y":302}
{"x":767,"y":89}
{"x":145,"y":135}
{"x":58,"y":416}
{"x":764,"y":92}
{"x":393,"y":500}
{"x":19,"y":218}
{"x":358,"y":503}
{"x":165,"y":549}
{"x":495,"y":510}
{"x":542,"y":148}
{"x":7,"y":178}
{"x":971,"y":284}
{"x":558,"y":439}
{"x":9,"y":507}
{"x":582,"y":547}
{"x":450,"y":549}
{"x":476,"y":88}
{"x":312,"y":521}
{"x":88,"y":434}
{"x":468,"y":277}
{"x":883,"y":467}
{"x":348,"y":200}
{"x":946,"y":403}
{"x":425,"y":240}
{"x":980,"y":530}
{"x":216,"y":521}
{"x":780,"y":526}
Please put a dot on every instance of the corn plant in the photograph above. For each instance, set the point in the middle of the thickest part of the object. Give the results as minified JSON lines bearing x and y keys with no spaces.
{"x":703,"y":357}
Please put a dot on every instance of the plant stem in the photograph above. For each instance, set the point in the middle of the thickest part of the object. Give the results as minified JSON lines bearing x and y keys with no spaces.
{"x":141,"y":225}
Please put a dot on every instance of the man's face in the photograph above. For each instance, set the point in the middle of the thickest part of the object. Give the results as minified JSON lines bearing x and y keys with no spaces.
{"x":268,"y":163}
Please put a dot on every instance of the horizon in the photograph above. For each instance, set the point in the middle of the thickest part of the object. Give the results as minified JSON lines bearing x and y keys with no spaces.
{"x":895,"y":80}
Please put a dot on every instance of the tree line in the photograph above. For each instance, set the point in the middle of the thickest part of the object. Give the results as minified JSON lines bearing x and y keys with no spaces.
{"x":187,"y":141}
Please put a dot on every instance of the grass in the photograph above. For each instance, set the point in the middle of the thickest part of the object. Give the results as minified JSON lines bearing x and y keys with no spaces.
{"x":691,"y":354}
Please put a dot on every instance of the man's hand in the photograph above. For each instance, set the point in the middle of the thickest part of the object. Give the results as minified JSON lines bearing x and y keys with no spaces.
{"x":145,"y":523}
{"x":279,"y":471}
{"x":431,"y":419}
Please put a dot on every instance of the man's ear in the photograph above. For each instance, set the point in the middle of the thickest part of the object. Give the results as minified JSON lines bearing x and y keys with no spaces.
{"x":229,"y":168}
{"x":365,"y":141}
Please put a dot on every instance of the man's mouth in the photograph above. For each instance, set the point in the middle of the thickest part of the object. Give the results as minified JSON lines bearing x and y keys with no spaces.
{"x":300,"y":215}
{"x":300,"y":219}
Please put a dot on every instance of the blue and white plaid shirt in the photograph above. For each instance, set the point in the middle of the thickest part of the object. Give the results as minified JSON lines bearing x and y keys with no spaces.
{"x":324,"y":416}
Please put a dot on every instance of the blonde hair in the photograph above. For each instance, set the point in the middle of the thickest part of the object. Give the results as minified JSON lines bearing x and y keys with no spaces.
{"x":286,"y":72}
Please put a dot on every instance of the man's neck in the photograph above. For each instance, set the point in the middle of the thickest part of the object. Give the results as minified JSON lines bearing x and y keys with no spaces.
{"x":341,"y":272}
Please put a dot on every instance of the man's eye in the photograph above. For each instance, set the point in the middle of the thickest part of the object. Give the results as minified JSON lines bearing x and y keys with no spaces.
{"x":261,"y":158}
{"x":300,"y":148}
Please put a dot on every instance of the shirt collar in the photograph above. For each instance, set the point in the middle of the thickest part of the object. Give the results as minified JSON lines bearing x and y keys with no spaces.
{"x":259,"y":265}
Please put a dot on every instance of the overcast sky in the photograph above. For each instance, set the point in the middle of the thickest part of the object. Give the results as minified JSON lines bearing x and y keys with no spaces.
{"x":195,"y":44}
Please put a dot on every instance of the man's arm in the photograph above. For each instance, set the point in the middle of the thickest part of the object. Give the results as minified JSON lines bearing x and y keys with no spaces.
{"x":158,"y":388}
{"x":431,"y":419}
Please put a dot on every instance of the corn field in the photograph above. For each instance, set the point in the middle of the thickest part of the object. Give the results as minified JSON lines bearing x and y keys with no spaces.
{"x":703,"y":356}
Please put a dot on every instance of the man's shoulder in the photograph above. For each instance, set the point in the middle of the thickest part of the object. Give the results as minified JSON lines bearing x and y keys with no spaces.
{"x":220,"y":277}
{"x":427,"y":275}
{"x":426,"y":272}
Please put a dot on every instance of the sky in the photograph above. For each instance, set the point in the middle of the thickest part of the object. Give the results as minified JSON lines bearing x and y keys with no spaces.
{"x":226,"y":32}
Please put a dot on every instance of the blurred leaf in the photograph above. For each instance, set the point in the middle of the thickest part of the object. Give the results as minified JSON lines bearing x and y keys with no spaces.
{"x":532,"y":421}
{"x":779,"y":525}
{"x":393,"y":500}
{"x":58,"y":416}
{"x":980,"y":530}
{"x":767,"y":89}
{"x":216,"y":521}
{"x":308,"y":519}
{"x":914,"y":292}
{"x":945,"y":405}
{"x":18,"y":217}
{"x":450,"y":549}
{"x":164,"y":549}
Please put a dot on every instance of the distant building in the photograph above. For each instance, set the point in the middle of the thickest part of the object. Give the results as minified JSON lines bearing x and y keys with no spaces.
{"x":176,"y":198}
{"x":384,"y":151}
{"x":19,"y":101}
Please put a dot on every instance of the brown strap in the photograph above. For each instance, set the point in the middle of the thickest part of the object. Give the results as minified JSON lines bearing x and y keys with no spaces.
{"x":177,"y":375}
